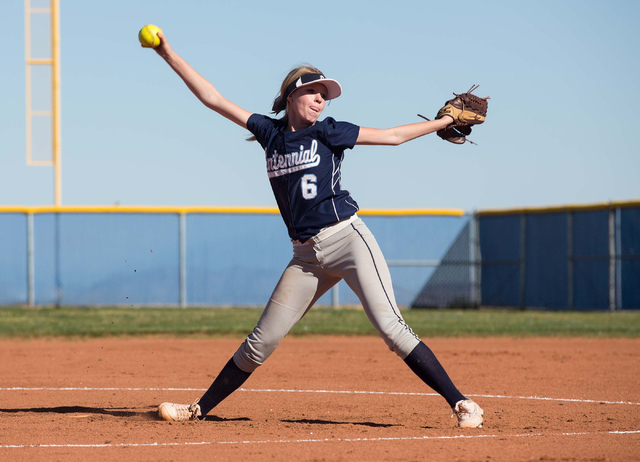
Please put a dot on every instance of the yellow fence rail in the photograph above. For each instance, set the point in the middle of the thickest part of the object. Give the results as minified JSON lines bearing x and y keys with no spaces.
{"x":204,"y":209}
{"x":561,"y":208}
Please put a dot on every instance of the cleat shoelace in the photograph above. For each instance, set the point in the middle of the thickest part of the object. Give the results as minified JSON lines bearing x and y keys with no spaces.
{"x":188,"y":412}
{"x":461,"y":410}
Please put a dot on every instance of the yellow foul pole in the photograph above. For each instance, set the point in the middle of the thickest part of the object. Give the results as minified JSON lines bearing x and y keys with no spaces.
{"x":54,"y":62}
{"x":55,"y":53}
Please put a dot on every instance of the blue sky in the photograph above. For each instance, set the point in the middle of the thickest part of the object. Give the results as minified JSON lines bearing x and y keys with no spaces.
{"x":561,"y":128}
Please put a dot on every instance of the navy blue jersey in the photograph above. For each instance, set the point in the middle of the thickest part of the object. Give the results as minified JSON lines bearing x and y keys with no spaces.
{"x":304,"y":171}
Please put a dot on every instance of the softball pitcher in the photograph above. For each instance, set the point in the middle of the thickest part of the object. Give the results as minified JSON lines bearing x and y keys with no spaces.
{"x":330,"y":242}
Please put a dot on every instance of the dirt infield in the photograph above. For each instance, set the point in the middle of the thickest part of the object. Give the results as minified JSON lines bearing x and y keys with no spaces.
{"x":320,"y":399}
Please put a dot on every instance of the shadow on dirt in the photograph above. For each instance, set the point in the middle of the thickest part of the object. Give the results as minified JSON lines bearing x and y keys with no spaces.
{"x":117,"y":412}
{"x":84,"y":411}
{"x":215,"y":418}
{"x":332,"y":422}
{"x":146,"y":414}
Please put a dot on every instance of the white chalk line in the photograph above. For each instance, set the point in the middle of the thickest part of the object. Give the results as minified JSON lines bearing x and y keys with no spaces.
{"x":339,"y":392}
{"x":309,"y":440}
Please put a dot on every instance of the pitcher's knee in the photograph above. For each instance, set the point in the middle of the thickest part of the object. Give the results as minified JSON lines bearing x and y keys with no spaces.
{"x":253,"y":352}
{"x":400,"y":339}
{"x":245,"y":362}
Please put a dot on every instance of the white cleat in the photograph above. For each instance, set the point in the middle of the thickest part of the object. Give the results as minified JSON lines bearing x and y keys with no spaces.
{"x":179,"y":412}
{"x":469,"y":414}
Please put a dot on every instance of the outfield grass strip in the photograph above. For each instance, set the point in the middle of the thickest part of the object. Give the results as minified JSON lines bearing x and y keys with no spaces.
{"x":238,"y":322}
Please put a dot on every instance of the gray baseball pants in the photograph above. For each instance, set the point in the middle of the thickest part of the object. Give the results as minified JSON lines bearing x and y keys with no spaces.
{"x":317,"y":265}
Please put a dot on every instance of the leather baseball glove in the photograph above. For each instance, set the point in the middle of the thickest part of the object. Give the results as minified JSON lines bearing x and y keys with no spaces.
{"x":466,"y":110}
{"x":457,"y":135}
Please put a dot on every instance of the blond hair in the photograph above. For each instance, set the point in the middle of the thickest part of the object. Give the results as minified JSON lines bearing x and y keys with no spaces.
{"x":280,"y":103}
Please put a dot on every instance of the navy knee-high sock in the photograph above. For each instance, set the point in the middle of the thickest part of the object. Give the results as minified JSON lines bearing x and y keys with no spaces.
{"x":425,"y":365}
{"x":231,"y":378}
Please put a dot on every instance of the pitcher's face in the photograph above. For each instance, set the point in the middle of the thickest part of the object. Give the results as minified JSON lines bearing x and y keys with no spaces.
{"x":307,"y":103}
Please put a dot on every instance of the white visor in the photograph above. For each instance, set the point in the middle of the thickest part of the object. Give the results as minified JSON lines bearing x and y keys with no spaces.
{"x":333,"y":87}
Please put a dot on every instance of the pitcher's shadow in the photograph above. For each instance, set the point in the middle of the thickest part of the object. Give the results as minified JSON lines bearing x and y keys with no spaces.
{"x":334,"y":422}
{"x":150,"y":413}
{"x":145,"y":413}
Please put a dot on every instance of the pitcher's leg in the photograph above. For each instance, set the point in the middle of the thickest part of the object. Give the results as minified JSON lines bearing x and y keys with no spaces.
{"x":425,"y":365}
{"x":367,"y":274}
{"x":230,"y":378}
{"x":298,"y":289}
{"x":370,"y":279}
{"x":300,"y":286}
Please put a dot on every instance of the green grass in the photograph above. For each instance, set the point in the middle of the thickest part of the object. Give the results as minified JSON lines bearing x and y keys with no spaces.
{"x":100,"y":322}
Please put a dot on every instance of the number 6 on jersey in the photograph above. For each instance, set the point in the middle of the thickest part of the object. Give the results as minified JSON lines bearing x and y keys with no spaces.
{"x":308,"y":185}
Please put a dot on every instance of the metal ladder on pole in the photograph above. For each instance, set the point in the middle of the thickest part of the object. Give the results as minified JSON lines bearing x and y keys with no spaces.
{"x":53,"y":62}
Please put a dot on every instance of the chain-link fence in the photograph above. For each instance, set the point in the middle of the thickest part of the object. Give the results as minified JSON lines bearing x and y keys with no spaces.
{"x":583,"y":258}
{"x":559,"y":258}
{"x":455,"y":281}
{"x":134,"y":257}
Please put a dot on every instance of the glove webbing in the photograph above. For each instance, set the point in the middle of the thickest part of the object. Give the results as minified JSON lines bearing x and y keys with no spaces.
{"x":454,"y":128}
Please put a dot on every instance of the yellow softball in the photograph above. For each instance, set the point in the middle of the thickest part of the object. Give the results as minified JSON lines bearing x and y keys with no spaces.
{"x":148,"y":36}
